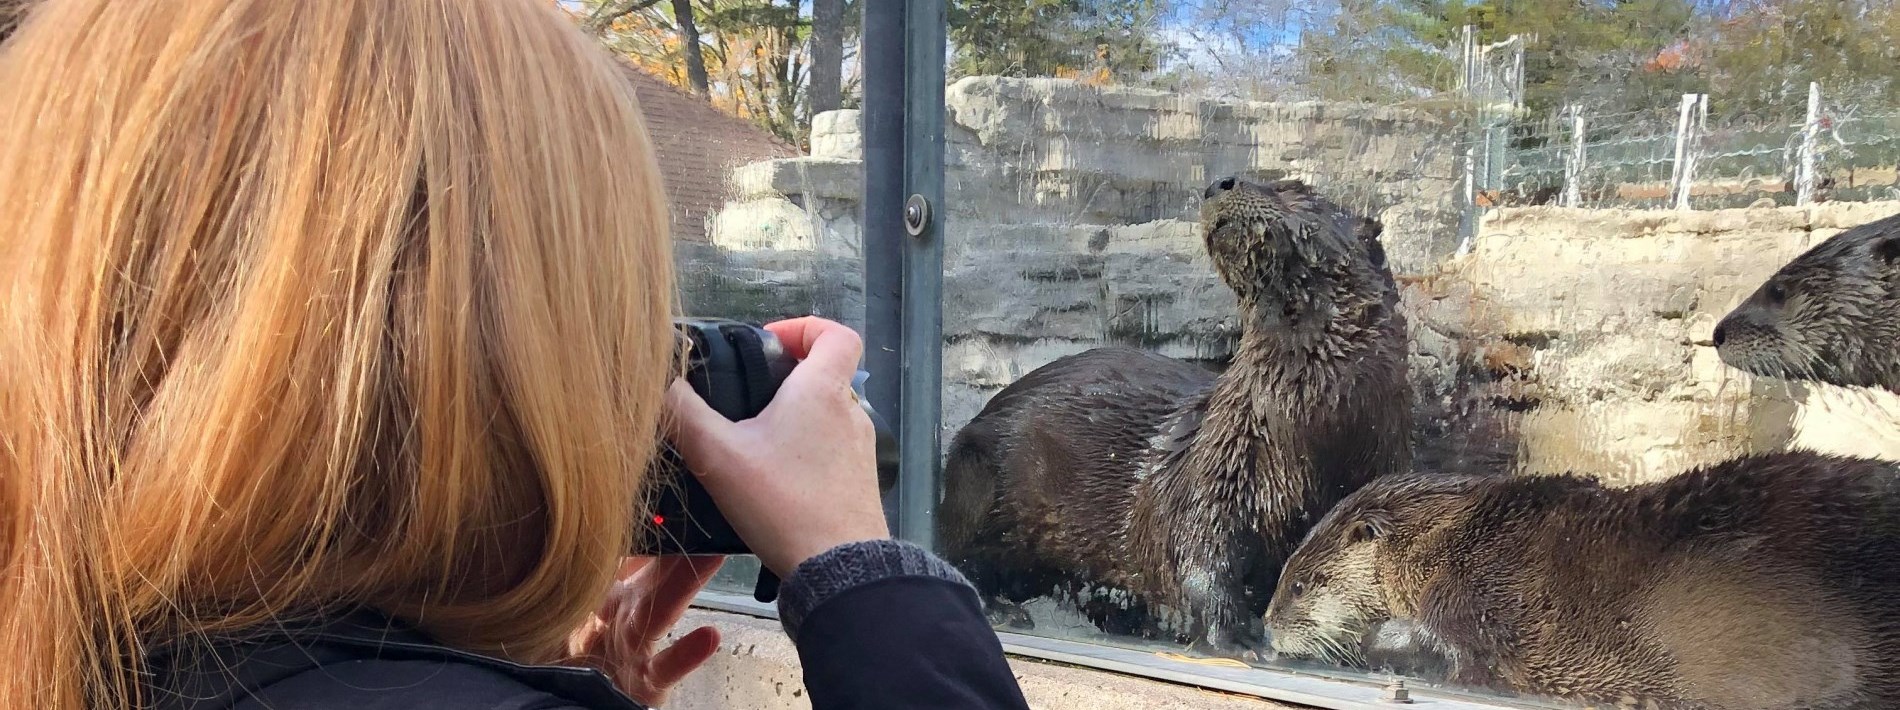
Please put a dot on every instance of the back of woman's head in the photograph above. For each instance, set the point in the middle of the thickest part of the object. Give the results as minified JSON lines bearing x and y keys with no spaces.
{"x":307,"y":306}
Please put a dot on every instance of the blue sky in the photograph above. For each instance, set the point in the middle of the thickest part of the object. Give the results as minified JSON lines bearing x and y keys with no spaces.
{"x":1284,"y":30}
{"x":1188,"y":28}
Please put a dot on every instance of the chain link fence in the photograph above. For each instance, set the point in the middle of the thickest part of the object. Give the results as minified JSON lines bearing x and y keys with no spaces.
{"x":1696,"y":158}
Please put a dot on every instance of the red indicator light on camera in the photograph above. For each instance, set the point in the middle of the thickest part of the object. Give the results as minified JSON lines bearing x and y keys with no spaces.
{"x":659,"y":520}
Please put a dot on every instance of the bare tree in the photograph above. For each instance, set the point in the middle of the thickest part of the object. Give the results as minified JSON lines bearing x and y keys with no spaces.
{"x":827,"y":54}
{"x":689,"y":45}
{"x":606,"y":13}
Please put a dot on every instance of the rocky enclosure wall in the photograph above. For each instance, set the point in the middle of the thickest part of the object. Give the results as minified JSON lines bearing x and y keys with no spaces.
{"x":1563,"y":339}
{"x":1585,"y":335}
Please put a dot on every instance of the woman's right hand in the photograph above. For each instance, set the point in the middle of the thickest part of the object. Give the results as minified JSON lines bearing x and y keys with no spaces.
{"x":800,"y":478}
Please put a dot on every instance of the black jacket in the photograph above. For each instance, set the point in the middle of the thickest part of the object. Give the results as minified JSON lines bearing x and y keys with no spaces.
{"x":876,"y":626}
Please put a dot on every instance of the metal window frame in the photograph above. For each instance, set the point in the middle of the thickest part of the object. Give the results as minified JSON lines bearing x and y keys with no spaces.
{"x":903,"y":59}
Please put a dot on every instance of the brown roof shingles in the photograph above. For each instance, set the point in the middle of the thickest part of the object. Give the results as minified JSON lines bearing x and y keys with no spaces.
{"x":697,"y":147}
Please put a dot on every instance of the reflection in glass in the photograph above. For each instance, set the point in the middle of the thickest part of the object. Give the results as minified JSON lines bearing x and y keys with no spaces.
{"x":1562,"y":227}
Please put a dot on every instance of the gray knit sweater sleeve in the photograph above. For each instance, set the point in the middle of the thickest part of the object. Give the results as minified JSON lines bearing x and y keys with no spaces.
{"x":850,"y":565}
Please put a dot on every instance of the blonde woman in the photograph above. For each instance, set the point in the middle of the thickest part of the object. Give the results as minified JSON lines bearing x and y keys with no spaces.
{"x":334,"y":341}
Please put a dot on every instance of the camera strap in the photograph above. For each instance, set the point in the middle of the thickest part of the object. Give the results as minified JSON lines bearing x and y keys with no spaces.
{"x":759,"y":390}
{"x":759,"y":387}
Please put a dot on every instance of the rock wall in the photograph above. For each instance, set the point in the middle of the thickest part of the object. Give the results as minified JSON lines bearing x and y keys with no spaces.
{"x":1590,"y":335}
{"x":1067,"y":219}
{"x":1563,"y":339}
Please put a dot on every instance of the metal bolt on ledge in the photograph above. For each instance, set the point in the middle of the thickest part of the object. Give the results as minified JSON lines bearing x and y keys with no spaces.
{"x":1395,"y":692}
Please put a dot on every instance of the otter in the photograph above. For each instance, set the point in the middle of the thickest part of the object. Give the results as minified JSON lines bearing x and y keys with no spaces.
{"x":1153,"y":480}
{"x":1766,"y":581}
{"x":1831,"y":315}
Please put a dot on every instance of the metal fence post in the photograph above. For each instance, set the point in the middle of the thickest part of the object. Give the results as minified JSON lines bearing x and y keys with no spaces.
{"x":1810,"y":138}
{"x":1573,"y":165}
{"x":1468,"y":188}
{"x":903,"y":55}
{"x":882,"y":55}
{"x":1692,"y":118}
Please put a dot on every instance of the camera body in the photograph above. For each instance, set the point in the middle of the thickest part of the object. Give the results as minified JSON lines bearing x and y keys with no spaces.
{"x":737,"y":368}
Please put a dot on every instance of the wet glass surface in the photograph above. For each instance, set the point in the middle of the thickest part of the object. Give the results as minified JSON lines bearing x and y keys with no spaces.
{"x":1568,"y":198}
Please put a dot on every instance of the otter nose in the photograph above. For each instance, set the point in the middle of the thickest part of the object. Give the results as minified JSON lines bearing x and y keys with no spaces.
{"x":1721,"y":333}
{"x":1218,"y":186}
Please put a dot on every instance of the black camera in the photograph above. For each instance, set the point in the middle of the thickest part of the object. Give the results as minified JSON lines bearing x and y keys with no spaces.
{"x":737,"y":368}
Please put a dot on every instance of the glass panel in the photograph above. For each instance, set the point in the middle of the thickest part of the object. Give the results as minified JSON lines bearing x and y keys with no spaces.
{"x":764,"y":193}
{"x":1568,"y":197}
{"x":1112,"y":184}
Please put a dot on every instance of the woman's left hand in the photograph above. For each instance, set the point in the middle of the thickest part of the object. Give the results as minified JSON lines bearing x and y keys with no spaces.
{"x":620,"y":640}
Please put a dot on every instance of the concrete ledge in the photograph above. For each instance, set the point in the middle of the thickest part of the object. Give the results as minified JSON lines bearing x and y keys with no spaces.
{"x":757,"y":669}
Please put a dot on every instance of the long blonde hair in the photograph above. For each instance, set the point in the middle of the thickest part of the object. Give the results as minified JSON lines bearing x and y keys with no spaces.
{"x":314,"y":305}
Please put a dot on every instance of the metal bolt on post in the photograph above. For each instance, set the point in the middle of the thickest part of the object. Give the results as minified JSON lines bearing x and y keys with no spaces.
{"x":1395,"y":692}
{"x":916,"y":215}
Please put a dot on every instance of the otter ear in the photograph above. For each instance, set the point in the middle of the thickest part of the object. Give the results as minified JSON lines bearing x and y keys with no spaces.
{"x":1368,"y":228}
{"x":1369,"y":231}
{"x":1367,"y":527}
{"x":1888,"y":249}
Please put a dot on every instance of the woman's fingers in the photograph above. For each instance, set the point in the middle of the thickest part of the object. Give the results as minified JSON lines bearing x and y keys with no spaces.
{"x":696,"y":431}
{"x":683,"y":657}
{"x":631,"y":565}
{"x":824,"y":347}
{"x":584,"y":643}
{"x":800,"y":478}
{"x":663,"y":592}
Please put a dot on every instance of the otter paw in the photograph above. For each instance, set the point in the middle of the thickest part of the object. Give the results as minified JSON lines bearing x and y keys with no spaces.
{"x":1245,"y":650}
{"x":1118,"y":618}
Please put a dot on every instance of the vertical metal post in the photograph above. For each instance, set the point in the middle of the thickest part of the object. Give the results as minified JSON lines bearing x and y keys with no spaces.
{"x":1497,"y":147}
{"x":1698,"y":130}
{"x":1468,"y":54}
{"x":1573,"y":167}
{"x":919,"y":484}
{"x":882,"y":56}
{"x":1517,"y":72}
{"x":1688,"y":129}
{"x":1469,"y":212}
{"x":1810,"y":140}
{"x":1682,"y":148}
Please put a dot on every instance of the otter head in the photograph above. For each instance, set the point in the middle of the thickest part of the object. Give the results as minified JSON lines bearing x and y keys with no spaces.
{"x":1297,"y":256}
{"x":1351,"y":575}
{"x":1832,"y":315}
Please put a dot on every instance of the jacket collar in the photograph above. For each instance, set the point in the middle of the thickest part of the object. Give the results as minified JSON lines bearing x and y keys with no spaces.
{"x":222,"y":672}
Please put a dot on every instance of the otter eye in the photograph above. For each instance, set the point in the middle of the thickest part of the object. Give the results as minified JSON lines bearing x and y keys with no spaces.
{"x":1298,"y":589}
{"x":1777,"y":294}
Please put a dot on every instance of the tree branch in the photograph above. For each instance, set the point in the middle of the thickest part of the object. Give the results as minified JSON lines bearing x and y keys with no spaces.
{"x":601,"y":19}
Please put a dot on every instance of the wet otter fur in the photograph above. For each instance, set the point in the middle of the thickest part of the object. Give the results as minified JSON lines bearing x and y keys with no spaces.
{"x":1767,"y":581}
{"x":1831,"y":315}
{"x":1120,"y":470}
